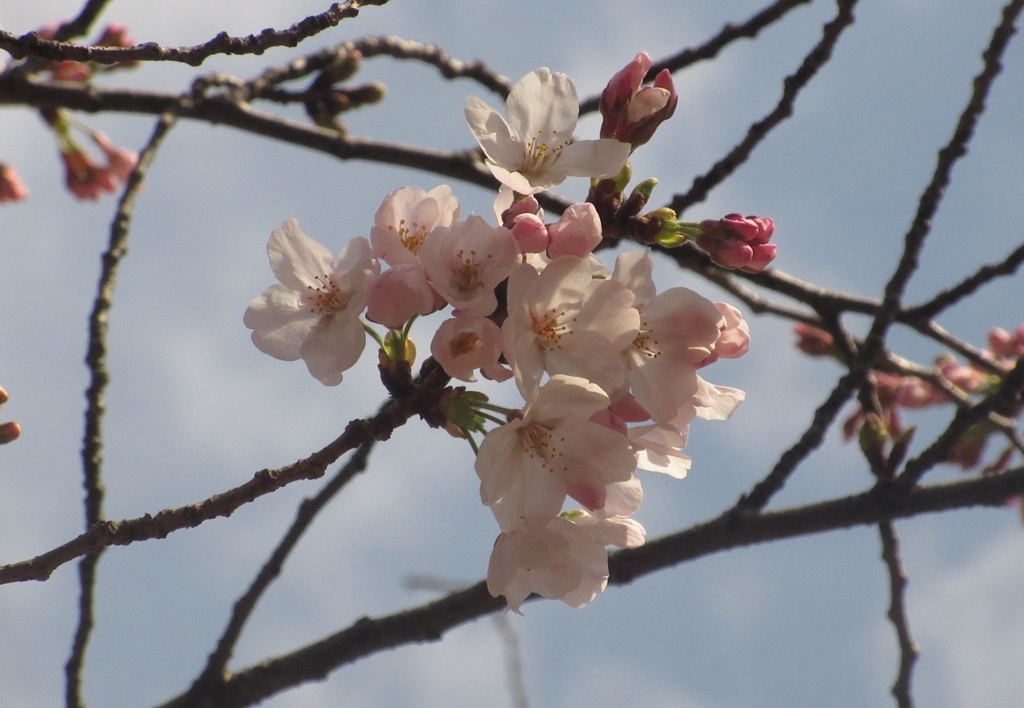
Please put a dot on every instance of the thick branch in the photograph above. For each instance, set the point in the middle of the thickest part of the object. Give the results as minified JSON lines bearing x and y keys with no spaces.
{"x":429,"y":622}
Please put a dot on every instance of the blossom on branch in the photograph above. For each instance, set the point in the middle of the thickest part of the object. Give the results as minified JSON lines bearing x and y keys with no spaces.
{"x":531,"y":149}
{"x":313,"y":314}
{"x":529,"y":465}
{"x":631,"y":113}
{"x":738,"y":242}
{"x":564,"y":559}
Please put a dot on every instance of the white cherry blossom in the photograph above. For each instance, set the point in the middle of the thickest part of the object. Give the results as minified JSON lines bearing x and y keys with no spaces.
{"x":313,"y":313}
{"x":563,"y":321}
{"x":531,"y":149}
{"x":527,"y":466}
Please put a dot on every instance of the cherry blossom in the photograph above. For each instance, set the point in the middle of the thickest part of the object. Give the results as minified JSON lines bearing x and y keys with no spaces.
{"x":564,"y":559}
{"x":467,"y":260}
{"x":463,"y":344}
{"x":529,"y":465}
{"x":563,"y":321}
{"x":531,"y":149}
{"x":313,"y":314}
{"x":678,"y":330}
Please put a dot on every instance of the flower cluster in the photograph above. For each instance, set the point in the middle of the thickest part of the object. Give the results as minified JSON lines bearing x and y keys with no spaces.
{"x":607,"y":366}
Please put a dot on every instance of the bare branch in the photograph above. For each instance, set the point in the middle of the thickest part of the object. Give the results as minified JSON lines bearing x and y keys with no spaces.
{"x":430,"y":621}
{"x":217,"y":663}
{"x":396,"y":412}
{"x":898,"y":613}
{"x":95,"y":359}
{"x":792,"y":86}
{"x":33,"y":45}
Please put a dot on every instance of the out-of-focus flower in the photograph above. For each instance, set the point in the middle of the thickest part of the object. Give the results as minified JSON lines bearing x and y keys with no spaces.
{"x":313,"y":314}
{"x":1006,"y":344}
{"x":564,"y":559}
{"x":120,"y":161}
{"x":83,"y":177}
{"x":12,"y":189}
{"x":531,"y":149}
{"x":632,"y":113}
{"x":814,"y":341}
{"x":738,"y":242}
{"x":9,"y":431}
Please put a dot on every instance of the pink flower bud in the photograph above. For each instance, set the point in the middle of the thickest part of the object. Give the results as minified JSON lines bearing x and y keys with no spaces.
{"x":738,"y":242}
{"x":577,"y":233}
{"x":631,"y":113}
{"x":814,"y":341}
{"x":9,"y":432}
{"x":83,"y":177}
{"x":12,"y":189}
{"x":1005,"y":344}
{"x":120,"y":162}
{"x":526,"y":205}
{"x":531,"y":233}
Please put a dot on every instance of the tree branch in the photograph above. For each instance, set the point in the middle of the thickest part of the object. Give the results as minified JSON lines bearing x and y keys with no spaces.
{"x":396,"y":412}
{"x":32,"y":45}
{"x":429,"y":622}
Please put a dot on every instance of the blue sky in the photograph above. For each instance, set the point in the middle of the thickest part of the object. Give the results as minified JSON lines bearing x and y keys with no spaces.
{"x":194,"y":409}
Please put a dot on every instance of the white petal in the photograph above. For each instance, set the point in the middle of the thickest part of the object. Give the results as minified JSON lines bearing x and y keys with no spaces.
{"x":295,"y":258}
{"x":498,"y":141}
{"x":332,"y":347}
{"x":593,"y":158}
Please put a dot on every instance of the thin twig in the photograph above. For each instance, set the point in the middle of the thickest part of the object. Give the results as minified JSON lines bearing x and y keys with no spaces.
{"x":216,"y":665}
{"x":792,"y":86}
{"x":421,"y":400}
{"x":898,"y":614}
{"x":33,"y":45}
{"x":948,"y":297}
{"x":92,"y":443}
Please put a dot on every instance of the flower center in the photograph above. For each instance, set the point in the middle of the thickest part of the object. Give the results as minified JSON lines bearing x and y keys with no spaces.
{"x":467,"y":275}
{"x":325,"y":298}
{"x":548,"y":328}
{"x":541,"y":152}
{"x":646,"y":343}
{"x":464,"y":343}
{"x":412,"y":235}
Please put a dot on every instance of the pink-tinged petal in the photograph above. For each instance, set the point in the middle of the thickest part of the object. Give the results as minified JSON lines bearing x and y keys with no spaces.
{"x":497,"y":464}
{"x":577,"y":233}
{"x":635,"y":270}
{"x":295,"y":258}
{"x":716,"y":402}
{"x":623,"y":498}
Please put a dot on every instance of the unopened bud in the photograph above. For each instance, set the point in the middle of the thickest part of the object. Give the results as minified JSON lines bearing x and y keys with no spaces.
{"x":9,"y":432}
